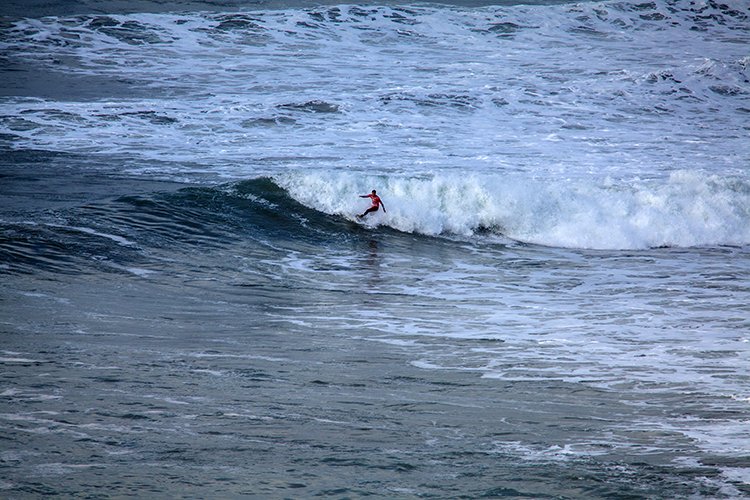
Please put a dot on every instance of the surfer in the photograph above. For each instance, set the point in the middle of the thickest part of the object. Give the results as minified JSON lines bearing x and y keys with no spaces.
{"x":376,"y":203}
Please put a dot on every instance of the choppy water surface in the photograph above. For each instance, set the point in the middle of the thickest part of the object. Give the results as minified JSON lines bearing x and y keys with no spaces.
{"x":554,"y":305}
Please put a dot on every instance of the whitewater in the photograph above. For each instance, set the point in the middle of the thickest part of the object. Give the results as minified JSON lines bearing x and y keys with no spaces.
{"x":555,"y":303}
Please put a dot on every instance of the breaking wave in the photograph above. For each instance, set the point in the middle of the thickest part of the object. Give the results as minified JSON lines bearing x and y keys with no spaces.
{"x":686,"y":209}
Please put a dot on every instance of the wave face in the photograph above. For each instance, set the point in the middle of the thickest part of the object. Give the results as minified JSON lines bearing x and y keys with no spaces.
{"x":687,"y":209}
{"x":148,"y":231}
{"x":314,"y":211}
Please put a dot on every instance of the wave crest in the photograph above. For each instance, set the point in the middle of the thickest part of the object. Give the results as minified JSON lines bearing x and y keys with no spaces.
{"x":684,"y":210}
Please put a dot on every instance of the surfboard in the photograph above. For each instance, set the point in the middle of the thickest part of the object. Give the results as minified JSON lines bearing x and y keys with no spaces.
{"x":369,"y":221}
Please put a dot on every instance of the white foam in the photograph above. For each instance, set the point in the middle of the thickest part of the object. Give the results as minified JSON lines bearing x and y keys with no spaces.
{"x":554,"y":94}
{"x":687,"y":208}
{"x":554,"y":453}
{"x":20,"y":360}
{"x":738,"y":475}
{"x":60,"y":469}
{"x":117,"y":239}
{"x":140,"y":272}
{"x":214,"y":373}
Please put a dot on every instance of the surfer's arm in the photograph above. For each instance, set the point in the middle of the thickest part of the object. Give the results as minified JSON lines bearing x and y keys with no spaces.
{"x":383,"y":205}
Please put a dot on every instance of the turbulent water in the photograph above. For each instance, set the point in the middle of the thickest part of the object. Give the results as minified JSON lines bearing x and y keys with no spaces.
{"x":554,"y":304}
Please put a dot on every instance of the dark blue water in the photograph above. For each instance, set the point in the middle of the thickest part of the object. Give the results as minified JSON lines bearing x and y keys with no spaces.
{"x":554,"y":304}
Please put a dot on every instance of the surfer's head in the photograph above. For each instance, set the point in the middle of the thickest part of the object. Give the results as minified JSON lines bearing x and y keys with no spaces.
{"x":373,"y":192}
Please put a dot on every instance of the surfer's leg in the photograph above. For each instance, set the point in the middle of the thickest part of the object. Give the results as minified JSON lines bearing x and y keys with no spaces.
{"x":371,"y":209}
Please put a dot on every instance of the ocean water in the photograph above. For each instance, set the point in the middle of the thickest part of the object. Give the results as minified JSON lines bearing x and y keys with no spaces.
{"x":554,"y":305}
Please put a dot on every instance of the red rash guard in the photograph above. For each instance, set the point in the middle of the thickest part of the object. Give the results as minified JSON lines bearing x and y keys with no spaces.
{"x":375,"y":200}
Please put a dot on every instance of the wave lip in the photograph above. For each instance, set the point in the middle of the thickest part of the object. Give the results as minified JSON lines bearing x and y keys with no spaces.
{"x":687,"y":209}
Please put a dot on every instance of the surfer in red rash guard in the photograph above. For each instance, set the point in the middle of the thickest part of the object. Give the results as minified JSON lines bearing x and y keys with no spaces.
{"x":376,"y":203}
